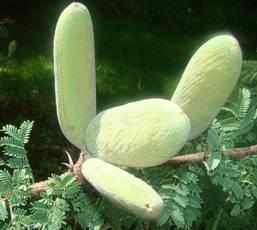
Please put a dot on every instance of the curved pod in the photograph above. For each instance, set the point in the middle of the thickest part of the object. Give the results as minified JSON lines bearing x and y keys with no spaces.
{"x":74,"y":68}
{"x":208,"y":80}
{"x":138,"y":134}
{"x":123,"y":189}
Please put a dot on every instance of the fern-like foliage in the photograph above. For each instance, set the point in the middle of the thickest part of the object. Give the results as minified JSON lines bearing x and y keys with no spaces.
{"x":63,"y":200}
{"x":182,"y":201}
{"x":64,"y":197}
{"x":239,"y":181}
{"x":3,"y":211}
{"x":13,"y":143}
{"x":230,"y":129}
{"x":237,"y":178}
{"x":248,"y":75}
{"x":72,"y":200}
{"x":49,"y":213}
{"x":180,"y":191}
{"x":15,"y":173}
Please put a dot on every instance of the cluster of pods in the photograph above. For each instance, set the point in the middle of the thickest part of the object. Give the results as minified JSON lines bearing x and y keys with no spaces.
{"x":144,"y":133}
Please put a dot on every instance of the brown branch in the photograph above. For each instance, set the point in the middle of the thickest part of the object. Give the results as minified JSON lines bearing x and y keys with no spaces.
{"x":41,"y":186}
{"x":237,"y":153}
{"x":188,"y":158}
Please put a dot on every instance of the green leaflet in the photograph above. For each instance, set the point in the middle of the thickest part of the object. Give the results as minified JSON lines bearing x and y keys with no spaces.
{"x":3,"y":211}
{"x":182,"y":201}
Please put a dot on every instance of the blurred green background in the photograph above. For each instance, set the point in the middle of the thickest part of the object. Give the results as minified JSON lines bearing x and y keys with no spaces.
{"x":141,"y":47}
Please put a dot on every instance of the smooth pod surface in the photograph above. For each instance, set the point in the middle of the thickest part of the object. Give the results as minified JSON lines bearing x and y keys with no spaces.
{"x":208,"y":80}
{"x":74,"y":68}
{"x":138,"y":134}
{"x":123,"y":189}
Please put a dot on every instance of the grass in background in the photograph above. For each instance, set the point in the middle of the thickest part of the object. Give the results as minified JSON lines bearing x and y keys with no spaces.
{"x":136,"y":60}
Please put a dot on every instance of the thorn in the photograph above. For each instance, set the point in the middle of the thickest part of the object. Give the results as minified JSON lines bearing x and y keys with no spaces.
{"x":69,"y":157}
{"x":70,"y":165}
{"x":66,"y":164}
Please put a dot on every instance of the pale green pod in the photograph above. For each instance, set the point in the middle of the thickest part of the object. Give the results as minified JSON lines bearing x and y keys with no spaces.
{"x":138,"y":134}
{"x":74,"y":68}
{"x":208,"y":80}
{"x":123,"y":189}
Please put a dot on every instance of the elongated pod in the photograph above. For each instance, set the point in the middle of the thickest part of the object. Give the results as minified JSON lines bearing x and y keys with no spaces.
{"x":139,"y":134}
{"x":123,"y":189}
{"x":74,"y":68}
{"x":208,"y":80}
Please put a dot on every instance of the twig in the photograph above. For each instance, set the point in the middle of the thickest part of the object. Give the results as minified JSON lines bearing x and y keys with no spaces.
{"x":41,"y":186}
{"x":237,"y":153}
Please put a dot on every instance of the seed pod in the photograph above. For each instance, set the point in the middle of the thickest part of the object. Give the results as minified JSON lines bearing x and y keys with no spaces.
{"x":74,"y":67}
{"x":208,"y":80}
{"x":123,"y":189}
{"x":139,"y":134}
